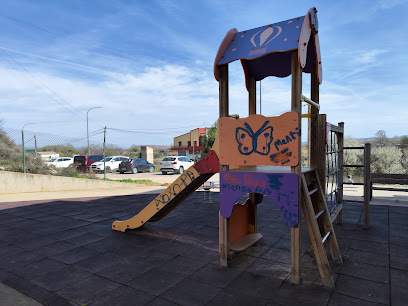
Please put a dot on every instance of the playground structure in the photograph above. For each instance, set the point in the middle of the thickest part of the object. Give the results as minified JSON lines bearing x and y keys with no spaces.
{"x":261,"y":156}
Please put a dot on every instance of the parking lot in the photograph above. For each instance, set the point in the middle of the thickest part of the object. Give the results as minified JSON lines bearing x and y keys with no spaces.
{"x":156,"y":177}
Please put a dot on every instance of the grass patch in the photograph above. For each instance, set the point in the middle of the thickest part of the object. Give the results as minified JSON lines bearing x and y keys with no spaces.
{"x":132,"y":181}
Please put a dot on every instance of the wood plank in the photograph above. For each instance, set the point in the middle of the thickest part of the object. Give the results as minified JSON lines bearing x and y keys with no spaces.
{"x":340,"y":138}
{"x":224,"y":223}
{"x":253,"y":211}
{"x":321,"y":152}
{"x":296,"y":105}
{"x":367,"y":184}
{"x":336,"y":211}
{"x":336,"y":129}
{"x":313,"y":121}
{"x":245,"y":242}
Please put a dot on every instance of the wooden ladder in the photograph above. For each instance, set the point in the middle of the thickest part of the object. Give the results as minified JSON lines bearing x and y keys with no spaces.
{"x":319,"y":225}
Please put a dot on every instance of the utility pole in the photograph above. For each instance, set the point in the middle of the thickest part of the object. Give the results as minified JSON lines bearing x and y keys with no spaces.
{"x":104,"y":157}
{"x":22,"y":142}
{"x":87,"y":128}
{"x":35,"y":143}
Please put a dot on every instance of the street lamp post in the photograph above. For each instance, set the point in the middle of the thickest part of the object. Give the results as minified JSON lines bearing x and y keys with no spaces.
{"x":22,"y":139}
{"x":87,"y":128}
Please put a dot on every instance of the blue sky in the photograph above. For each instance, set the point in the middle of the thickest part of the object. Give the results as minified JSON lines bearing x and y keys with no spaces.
{"x":149,"y":65}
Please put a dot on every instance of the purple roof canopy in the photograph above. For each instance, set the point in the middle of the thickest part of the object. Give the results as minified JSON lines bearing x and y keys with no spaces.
{"x":266,"y":51}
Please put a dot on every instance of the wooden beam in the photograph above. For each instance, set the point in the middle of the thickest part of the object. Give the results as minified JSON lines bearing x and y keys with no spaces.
{"x":296,"y":105}
{"x":313,"y":120}
{"x":367,"y":183}
{"x":252,"y":196}
{"x":321,"y":151}
{"x":340,"y":139}
{"x":224,"y":223}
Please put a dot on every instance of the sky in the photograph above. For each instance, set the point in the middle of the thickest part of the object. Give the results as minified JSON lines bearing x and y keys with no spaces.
{"x":148,"y":65}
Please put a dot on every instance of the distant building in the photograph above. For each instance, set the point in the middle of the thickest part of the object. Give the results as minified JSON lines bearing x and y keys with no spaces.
{"x":46,"y":156}
{"x":190,"y":144}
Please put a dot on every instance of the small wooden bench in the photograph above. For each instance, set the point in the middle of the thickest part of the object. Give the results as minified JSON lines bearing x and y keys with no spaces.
{"x":389,"y":179}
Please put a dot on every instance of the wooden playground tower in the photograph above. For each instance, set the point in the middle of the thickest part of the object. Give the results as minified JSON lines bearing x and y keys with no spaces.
{"x":262,"y":155}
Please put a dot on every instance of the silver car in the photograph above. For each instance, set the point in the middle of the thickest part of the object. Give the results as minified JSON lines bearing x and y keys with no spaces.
{"x":176,"y":164}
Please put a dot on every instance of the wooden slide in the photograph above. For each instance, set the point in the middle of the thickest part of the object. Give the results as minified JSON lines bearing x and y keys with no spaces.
{"x":172,"y":196}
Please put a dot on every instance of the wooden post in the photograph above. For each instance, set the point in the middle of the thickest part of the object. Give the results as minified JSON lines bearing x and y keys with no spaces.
{"x":296,"y":105}
{"x":224,"y":226}
{"x":313,"y":121}
{"x":321,"y":151}
{"x":367,"y":181}
{"x":340,"y":139}
{"x":252,"y":196}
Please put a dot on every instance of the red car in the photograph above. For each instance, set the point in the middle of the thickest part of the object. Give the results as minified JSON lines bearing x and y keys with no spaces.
{"x":83,"y":162}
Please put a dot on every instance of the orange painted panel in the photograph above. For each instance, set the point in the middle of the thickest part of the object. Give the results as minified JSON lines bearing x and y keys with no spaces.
{"x":239,"y":221}
{"x":259,"y":140}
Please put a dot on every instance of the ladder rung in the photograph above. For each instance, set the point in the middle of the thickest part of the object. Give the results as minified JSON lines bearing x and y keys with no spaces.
{"x":325,"y":237}
{"x":319,"y":214}
{"x":313,"y":191}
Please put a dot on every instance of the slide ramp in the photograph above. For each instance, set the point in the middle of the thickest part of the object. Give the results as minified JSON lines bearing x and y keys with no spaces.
{"x":188,"y":182}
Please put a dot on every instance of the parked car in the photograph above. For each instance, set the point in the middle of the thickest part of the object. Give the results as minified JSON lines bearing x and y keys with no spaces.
{"x":63,"y":162}
{"x":111,"y":162}
{"x":136,"y":165}
{"x":176,"y":164}
{"x":83,"y":162}
{"x":51,"y":161}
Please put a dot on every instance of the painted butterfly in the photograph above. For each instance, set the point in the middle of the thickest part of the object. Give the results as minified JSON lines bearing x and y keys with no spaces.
{"x":259,"y":142}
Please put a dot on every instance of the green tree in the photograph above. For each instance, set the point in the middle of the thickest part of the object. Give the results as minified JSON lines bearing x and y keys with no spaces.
{"x":386,"y":160}
{"x":404,"y":152}
{"x":210,"y":138}
{"x":353,"y":157}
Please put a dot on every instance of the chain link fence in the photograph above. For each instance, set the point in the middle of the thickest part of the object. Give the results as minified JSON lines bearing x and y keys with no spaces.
{"x":41,"y":147}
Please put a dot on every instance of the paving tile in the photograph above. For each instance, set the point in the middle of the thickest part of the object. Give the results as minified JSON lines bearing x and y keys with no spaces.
{"x":399,"y":278}
{"x":61,"y":278}
{"x":99,"y":262}
{"x":191,"y":292}
{"x":399,"y":295}
{"x":368,"y":257}
{"x":370,"y":246}
{"x":106,"y":244}
{"x":215,"y":275}
{"x":21,"y":259}
{"x":183,"y":264}
{"x":75,"y":255}
{"x":341,"y":300}
{"x":270,"y":268}
{"x":126,"y":271}
{"x":36,"y":292}
{"x":55,"y":248}
{"x":399,"y":250}
{"x":231,"y":298}
{"x":363,"y":289}
{"x":10,"y":250}
{"x":38,"y":268}
{"x":68,"y":234}
{"x":84,"y":239}
{"x":278,"y":255}
{"x":123,"y":296}
{"x":288,"y":294}
{"x":257,"y":285}
{"x":399,"y":262}
{"x":3,"y":274}
{"x":88,"y":290}
{"x":366,"y":271}
{"x":161,"y":302}
{"x":156,"y":281}
{"x":32,"y":244}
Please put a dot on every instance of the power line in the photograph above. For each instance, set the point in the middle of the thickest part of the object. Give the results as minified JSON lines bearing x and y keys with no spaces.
{"x":67,"y":38}
{"x":84,"y":116}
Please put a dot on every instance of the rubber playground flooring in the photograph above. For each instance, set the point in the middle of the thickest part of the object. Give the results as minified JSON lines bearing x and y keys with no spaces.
{"x":63,"y":252}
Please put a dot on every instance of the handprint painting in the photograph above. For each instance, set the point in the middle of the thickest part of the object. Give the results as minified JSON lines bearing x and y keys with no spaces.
{"x":259,"y":140}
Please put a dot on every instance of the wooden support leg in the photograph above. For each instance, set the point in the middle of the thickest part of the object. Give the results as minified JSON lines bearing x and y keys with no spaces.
{"x":252,"y":214}
{"x":224,"y":240}
{"x":295,"y":274}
